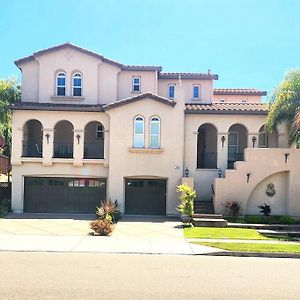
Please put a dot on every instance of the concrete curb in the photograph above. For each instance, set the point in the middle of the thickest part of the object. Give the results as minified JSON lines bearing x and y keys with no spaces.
{"x":253,"y":254}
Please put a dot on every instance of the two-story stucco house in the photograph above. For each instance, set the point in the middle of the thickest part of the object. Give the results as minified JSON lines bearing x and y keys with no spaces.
{"x":89,"y":129}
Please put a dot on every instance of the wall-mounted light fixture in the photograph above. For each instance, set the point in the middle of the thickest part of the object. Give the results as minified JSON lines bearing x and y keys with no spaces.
{"x":286,"y":155}
{"x":248,"y":177}
{"x":78,"y":138}
{"x":223,"y":140}
{"x":253,"y":141}
{"x":220,"y":172}
{"x":186,"y":172}
{"x":47,"y":135}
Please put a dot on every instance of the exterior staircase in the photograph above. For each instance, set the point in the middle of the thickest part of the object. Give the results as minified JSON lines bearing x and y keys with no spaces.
{"x":204,"y":207}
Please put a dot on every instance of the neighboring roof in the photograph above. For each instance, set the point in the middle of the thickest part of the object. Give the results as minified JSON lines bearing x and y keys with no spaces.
{"x":247,"y":92}
{"x":227,"y":108}
{"x":55,"y":107}
{"x":164,"y":75}
{"x":140,"y":97}
{"x":85,"y":51}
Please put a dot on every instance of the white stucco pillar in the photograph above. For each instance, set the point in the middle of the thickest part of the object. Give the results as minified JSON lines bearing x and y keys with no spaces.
{"x":222,"y":148}
{"x":106,"y":148}
{"x":48,"y":143}
{"x":78,"y":147}
{"x":17,"y":146}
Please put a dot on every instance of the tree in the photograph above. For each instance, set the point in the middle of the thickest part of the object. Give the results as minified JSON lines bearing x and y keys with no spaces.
{"x":10,"y":92}
{"x":285,"y":106}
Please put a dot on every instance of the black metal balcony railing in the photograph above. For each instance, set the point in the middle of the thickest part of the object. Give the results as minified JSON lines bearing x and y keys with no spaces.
{"x":233,"y":157}
{"x":207,"y":160}
{"x":94,"y":150}
{"x":63,"y":150}
{"x":32,"y":150}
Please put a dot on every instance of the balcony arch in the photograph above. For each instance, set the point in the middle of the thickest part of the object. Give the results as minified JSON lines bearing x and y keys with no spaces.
{"x":207,"y":147}
{"x":237,"y":143}
{"x":63,"y":139}
{"x":32,"y":139}
{"x":94,"y":135}
{"x":267,"y":139}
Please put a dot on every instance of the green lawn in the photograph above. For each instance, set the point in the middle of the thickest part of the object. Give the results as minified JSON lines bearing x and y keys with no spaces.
{"x":222,"y":233}
{"x":255,"y":247}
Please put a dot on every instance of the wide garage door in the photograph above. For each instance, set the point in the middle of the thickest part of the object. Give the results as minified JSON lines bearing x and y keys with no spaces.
{"x":145,"y":196}
{"x":63,"y":195}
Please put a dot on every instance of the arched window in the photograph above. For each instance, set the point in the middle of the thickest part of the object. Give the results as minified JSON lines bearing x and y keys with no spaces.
{"x":77,"y":84}
{"x":154,"y":132}
{"x":139,"y":132}
{"x":61,"y":84}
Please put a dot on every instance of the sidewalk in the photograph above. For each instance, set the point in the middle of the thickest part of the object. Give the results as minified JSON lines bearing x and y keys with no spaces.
{"x":131,"y":235}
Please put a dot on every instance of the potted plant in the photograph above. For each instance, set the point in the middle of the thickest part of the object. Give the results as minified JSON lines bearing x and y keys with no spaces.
{"x":186,"y":206}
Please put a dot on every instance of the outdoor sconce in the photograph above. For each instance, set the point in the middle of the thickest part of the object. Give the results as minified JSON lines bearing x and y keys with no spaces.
{"x":47,"y":135}
{"x":248,"y":177}
{"x":223,"y":140}
{"x":78,"y":138}
{"x":253,"y":141}
{"x":220,"y":172}
{"x":186,"y":172}
{"x":286,"y":157}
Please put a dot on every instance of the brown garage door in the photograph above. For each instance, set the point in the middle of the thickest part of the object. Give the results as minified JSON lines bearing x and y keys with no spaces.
{"x":145,"y":196}
{"x":63,"y":195}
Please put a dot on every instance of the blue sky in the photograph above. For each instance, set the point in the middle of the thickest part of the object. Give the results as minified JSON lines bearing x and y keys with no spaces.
{"x":247,"y":43}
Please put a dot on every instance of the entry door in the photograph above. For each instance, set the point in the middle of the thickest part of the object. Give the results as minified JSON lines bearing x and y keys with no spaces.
{"x":145,"y":196}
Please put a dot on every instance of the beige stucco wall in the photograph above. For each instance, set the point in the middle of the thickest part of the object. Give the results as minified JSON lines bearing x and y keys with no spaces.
{"x":237,"y":98}
{"x":206,"y":87}
{"x":264,"y":166}
{"x":30,"y":81}
{"x":168,"y":164}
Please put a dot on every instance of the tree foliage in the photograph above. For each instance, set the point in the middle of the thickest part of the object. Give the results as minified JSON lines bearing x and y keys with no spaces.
{"x":285,"y":106}
{"x":10,"y":92}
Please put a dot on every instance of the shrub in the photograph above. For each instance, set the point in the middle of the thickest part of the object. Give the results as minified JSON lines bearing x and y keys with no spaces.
{"x":109,"y":211}
{"x":101,"y":227}
{"x":187,"y":197}
{"x":4,"y":207}
{"x":232,"y":208}
{"x":286,"y":220}
{"x":265,"y":209}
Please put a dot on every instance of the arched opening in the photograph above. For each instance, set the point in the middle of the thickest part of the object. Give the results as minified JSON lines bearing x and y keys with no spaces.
{"x":63,"y":140}
{"x":237,"y":143}
{"x":33,"y":139}
{"x":94,"y":140}
{"x":267,"y":139}
{"x":207,"y":147}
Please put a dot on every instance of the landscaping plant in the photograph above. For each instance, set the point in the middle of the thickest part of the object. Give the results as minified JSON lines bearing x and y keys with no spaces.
{"x":101,"y":227}
{"x":265,"y":209}
{"x":186,"y":206}
{"x":232,"y":208}
{"x":4,"y":207}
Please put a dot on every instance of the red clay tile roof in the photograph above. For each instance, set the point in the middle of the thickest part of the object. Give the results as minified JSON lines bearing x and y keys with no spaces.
{"x":140,"y":97}
{"x":164,"y":75}
{"x":227,"y":108}
{"x":248,"y":92}
{"x":83,"y":50}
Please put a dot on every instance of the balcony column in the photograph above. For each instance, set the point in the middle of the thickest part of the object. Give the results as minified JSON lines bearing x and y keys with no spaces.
{"x":48,"y":143}
{"x":222,"y":147}
{"x":17,"y":146}
{"x":106,"y":148}
{"x":78,"y":147}
{"x":253,"y":140}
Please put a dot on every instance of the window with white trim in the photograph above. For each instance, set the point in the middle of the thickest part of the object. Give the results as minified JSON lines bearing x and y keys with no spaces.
{"x":99,"y":131}
{"x":171,"y":92}
{"x":77,"y":85}
{"x":154,"y":133}
{"x":139,"y":132}
{"x":136,"y":84}
{"x":61,"y":84}
{"x":196,"y":91}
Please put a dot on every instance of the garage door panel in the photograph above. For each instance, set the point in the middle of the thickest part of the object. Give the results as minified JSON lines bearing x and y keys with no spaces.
{"x":63,"y":195}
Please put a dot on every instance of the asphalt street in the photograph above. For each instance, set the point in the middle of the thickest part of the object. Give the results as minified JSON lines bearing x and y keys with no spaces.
{"x":111,"y":276}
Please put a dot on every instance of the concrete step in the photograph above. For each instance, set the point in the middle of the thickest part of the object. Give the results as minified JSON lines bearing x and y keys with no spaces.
{"x":204,"y":207}
{"x":202,"y":222}
{"x":207,"y":216}
{"x":278,"y":233}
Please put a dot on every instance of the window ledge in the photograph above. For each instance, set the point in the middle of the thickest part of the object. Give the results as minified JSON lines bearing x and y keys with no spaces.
{"x":62,"y":160}
{"x":146,"y":150}
{"x":31,"y":159}
{"x":136,"y":92}
{"x":93,"y":160}
{"x":67,"y":98}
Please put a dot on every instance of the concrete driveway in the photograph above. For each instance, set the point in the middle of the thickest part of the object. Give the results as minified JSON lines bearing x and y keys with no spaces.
{"x":58,"y":233}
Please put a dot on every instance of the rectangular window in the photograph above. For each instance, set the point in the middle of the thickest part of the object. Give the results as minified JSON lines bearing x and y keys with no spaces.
{"x":171,"y":91}
{"x":196,"y":91}
{"x":99,"y":132}
{"x":263,"y":140}
{"x":233,"y":145}
{"x":136,"y":84}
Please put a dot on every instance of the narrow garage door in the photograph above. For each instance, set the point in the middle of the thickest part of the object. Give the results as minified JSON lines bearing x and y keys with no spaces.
{"x":145,"y":196}
{"x":63,"y":195}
